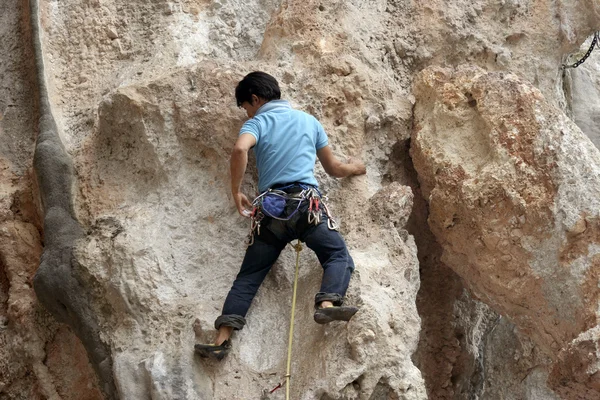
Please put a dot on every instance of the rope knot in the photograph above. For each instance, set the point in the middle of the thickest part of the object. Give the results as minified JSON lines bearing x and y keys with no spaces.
{"x":298,"y":247}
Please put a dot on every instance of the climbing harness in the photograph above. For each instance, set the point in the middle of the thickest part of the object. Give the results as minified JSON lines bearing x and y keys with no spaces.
{"x":272,"y":202}
{"x":288,"y":370}
{"x":587,"y":55}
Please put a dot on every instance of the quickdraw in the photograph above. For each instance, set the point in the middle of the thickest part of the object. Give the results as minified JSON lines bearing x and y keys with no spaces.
{"x":316,"y":205}
{"x":314,"y":209}
{"x":255,"y":219}
{"x":331,"y":222}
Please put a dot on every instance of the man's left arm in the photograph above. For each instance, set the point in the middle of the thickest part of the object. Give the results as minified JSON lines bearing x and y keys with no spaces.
{"x":239,"y":162}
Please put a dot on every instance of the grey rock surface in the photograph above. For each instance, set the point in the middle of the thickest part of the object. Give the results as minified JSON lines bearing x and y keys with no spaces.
{"x":583,"y":92}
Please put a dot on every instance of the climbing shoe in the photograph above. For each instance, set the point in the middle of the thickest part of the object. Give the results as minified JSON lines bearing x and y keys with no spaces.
{"x":212,"y":350}
{"x":328,"y":314}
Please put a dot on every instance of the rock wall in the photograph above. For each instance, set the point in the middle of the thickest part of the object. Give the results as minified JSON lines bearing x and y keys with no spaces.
{"x":513,"y":187}
{"x":141,"y":94}
{"x":39,"y":358}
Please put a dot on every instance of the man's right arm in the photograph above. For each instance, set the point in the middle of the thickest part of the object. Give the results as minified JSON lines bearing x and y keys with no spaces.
{"x":336,"y":168}
{"x":239,"y":161}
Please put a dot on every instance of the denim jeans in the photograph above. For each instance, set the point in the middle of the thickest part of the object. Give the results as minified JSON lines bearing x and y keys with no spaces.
{"x":328,"y":245}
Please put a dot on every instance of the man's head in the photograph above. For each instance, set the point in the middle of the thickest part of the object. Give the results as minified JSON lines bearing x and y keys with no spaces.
{"x":256,"y":89}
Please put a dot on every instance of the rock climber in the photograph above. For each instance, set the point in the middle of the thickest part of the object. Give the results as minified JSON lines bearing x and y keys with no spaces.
{"x":286,"y":143}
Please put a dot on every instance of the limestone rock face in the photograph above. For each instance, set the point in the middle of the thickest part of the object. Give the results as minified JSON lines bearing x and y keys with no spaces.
{"x":127,"y":211}
{"x":39,"y":358}
{"x":513,"y":189}
{"x":164,"y":243}
{"x":161,"y":152}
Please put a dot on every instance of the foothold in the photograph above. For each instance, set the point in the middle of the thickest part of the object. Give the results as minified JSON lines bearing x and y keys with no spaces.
{"x":372,"y":122}
{"x":579,"y":227}
{"x":517,"y":233}
{"x":112,"y":33}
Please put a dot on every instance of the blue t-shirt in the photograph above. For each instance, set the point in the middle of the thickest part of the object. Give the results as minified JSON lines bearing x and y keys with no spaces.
{"x":286,"y":147}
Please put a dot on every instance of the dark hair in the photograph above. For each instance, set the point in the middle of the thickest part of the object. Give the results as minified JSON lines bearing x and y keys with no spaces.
{"x":258,"y":83}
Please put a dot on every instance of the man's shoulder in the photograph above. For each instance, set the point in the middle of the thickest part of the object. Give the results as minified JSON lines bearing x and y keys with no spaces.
{"x":294,"y":114}
{"x":303,"y":115}
{"x":300,"y":112}
{"x":251,"y":123}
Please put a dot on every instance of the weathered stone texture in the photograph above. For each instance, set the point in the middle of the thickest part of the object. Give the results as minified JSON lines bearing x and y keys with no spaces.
{"x":513,"y":189}
{"x":132,"y":161}
{"x":175,"y":162}
{"x":27,"y":331}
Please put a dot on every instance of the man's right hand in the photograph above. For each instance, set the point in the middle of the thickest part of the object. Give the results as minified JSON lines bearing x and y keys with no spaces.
{"x":358,"y":167}
{"x":243,"y":204}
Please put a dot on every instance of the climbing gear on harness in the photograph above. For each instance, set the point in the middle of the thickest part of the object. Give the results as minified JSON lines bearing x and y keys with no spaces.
{"x":331,"y":223}
{"x":272,"y":202}
{"x":314,"y":210}
{"x":255,"y":219}
{"x":288,"y":374}
{"x":334,"y":313}
{"x":212,"y":350}
{"x":587,"y":54}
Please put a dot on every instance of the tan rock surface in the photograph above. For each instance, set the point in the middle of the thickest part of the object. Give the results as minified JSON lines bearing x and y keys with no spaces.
{"x":159,"y":272}
{"x":513,"y":192}
{"x":141,"y":93}
{"x":27,"y":331}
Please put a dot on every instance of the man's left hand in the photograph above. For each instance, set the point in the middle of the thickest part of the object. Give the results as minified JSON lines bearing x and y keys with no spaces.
{"x":243,"y":204}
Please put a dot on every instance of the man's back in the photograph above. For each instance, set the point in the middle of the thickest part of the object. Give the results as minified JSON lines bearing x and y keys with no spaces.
{"x":286,"y":144}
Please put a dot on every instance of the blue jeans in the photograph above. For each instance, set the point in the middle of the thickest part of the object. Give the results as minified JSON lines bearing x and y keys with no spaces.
{"x":328,"y":245}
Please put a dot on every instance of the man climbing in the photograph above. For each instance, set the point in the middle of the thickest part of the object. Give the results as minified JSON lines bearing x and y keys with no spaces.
{"x":286,"y":143}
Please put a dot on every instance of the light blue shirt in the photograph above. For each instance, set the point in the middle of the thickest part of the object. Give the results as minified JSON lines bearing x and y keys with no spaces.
{"x":286,"y":147}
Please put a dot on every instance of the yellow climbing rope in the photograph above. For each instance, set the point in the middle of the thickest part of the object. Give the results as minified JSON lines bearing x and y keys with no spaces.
{"x":298,"y":248}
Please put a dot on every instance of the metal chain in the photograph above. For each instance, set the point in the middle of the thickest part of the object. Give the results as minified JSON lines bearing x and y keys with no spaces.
{"x":589,"y":52}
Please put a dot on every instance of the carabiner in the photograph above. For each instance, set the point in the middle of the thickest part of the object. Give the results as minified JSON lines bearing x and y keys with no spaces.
{"x":331,"y":223}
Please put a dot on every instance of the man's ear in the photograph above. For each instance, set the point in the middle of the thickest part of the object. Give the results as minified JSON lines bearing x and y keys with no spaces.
{"x":254,"y":99}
